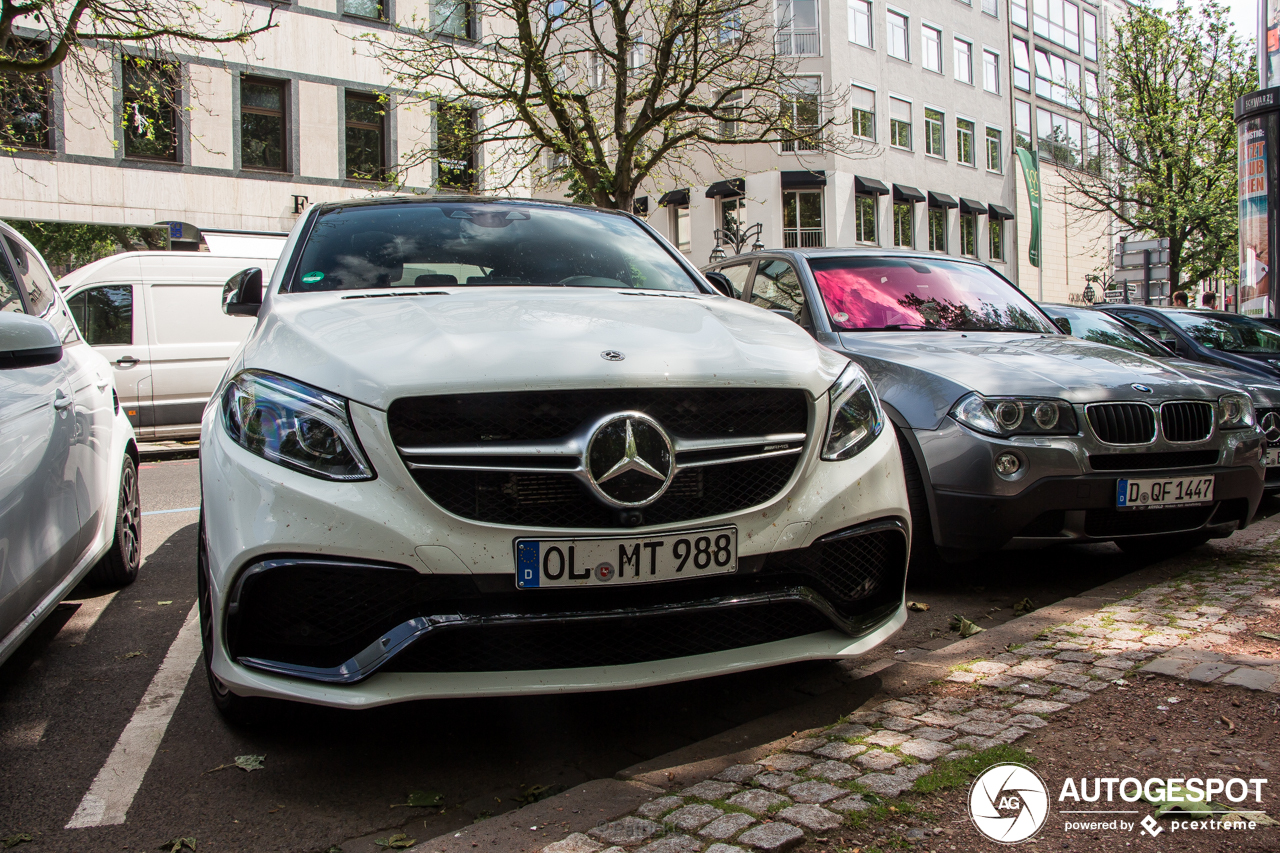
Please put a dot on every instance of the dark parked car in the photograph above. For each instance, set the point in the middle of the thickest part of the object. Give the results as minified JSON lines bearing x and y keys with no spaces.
{"x":1014,"y":434}
{"x":1209,"y":337}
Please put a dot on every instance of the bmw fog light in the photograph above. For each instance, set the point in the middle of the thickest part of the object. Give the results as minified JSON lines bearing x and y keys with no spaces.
{"x":1007,"y":464}
{"x":855,"y":418}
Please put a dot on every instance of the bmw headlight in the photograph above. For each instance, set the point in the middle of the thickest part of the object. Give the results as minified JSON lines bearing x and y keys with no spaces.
{"x":855,"y":418}
{"x":294,"y":425}
{"x":1235,"y":411}
{"x":1005,"y":416}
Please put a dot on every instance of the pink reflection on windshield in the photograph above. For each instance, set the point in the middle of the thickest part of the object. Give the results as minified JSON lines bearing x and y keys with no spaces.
{"x":872,"y":297}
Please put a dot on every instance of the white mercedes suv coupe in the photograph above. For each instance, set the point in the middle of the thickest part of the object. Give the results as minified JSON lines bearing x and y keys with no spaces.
{"x":489,"y":447}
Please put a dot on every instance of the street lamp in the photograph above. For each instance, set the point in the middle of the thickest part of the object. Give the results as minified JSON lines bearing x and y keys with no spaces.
{"x":738,"y":239}
{"x":717,"y":254}
{"x":1088,"y":294}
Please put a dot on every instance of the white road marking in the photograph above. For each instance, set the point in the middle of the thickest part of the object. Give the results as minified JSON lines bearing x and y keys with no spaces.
{"x":167,"y":511}
{"x":117,"y":783}
{"x":85,"y":617}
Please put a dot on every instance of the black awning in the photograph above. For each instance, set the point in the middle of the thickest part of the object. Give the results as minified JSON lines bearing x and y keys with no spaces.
{"x":941,"y":200}
{"x":640,"y":207}
{"x":996,"y":211}
{"x":678,"y":198}
{"x":727,"y":189}
{"x":902,"y":192}
{"x":869,"y":186}
{"x":803,"y":180}
{"x":968,"y":205}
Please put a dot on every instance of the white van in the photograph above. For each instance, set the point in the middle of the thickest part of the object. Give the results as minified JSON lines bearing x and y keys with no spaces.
{"x":157,"y":317}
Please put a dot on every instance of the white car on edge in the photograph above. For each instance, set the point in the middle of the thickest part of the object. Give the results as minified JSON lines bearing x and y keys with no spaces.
{"x":488,"y":447}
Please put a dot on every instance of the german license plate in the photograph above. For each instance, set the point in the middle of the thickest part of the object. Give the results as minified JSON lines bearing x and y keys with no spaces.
{"x":1273,"y":457}
{"x":612,"y":561}
{"x":1157,"y":493}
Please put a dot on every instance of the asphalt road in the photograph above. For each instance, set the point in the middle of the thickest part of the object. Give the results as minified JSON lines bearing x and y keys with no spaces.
{"x":331,"y":777}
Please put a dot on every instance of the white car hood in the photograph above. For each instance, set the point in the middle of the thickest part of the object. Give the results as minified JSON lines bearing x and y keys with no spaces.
{"x":373,"y":347}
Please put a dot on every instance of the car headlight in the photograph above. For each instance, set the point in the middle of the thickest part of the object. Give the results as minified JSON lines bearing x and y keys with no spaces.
{"x":855,"y":419}
{"x":294,"y":425}
{"x":1235,"y":411}
{"x":1004,"y":416}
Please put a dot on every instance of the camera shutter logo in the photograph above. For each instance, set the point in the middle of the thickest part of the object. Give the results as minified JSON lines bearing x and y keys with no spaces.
{"x":1009,"y":803}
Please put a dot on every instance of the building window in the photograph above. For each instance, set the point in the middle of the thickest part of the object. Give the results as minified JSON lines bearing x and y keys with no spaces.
{"x":1091,"y":92}
{"x":453,"y":18}
{"x":964,"y":142}
{"x":803,"y":112}
{"x":637,"y":55}
{"x":1021,"y":65}
{"x":731,"y":108}
{"x":898,"y":37}
{"x":931,"y":48}
{"x":865,"y":219}
{"x":595,"y":74}
{"x":797,"y":27}
{"x":732,"y":211}
{"x":860,"y":22}
{"x":991,"y":71}
{"x":456,"y":146}
{"x":1090,"y":34}
{"x":904,"y":224}
{"x":1023,"y":131}
{"x":864,"y":113}
{"x":150,"y":109}
{"x":680,"y":226}
{"x":937,"y":229}
{"x":801,"y":219}
{"x":1061,"y":138}
{"x":1057,"y":78}
{"x":1059,"y":22}
{"x":995,"y":239}
{"x":364,"y":8}
{"x":934,"y":129}
{"x":25,"y":101}
{"x":964,"y":61}
{"x":991,"y":7}
{"x":366,"y":121}
{"x":1018,"y":13}
{"x":969,"y":234}
{"x":262,"y":124}
{"x":900,"y":123}
{"x":995,"y":157}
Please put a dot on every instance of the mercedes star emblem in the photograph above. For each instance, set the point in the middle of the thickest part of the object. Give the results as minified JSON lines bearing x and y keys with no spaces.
{"x":629,"y":460}
{"x":1143,"y":388}
{"x":1271,"y":426}
{"x":612,"y":355}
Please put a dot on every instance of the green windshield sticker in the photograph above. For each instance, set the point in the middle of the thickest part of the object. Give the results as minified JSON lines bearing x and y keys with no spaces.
{"x":312,"y":277}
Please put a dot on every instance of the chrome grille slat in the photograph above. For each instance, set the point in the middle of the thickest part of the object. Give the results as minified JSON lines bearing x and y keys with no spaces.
{"x":1186,"y":421}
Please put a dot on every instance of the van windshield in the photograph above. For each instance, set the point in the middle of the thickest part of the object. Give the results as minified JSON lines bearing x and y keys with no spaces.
{"x":482,"y":244}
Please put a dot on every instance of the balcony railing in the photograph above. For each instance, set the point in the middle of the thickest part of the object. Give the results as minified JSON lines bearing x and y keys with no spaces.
{"x":797,"y":43}
{"x":802,"y":238}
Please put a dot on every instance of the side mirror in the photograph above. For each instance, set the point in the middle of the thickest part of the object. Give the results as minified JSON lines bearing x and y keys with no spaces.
{"x":720,"y":282}
{"x":242,"y":295}
{"x":27,"y":342}
{"x":1063,"y":324}
{"x":1171,"y":345}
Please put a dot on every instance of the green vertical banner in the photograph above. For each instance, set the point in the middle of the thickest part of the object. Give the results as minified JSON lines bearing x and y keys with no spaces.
{"x":1031,"y":171}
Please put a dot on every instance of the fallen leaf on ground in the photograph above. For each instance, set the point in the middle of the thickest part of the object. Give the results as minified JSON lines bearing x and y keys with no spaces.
{"x":16,"y":839}
{"x":1231,"y":727}
{"x":421,"y":800}
{"x":177,"y":845}
{"x":964,"y":626}
{"x":334,"y":848}
{"x":244,"y":762}
{"x":1023,"y":607}
{"x":1267,"y":635}
{"x":917,"y":606}
{"x":163,"y":603}
{"x":131,"y":655}
{"x":399,"y":841}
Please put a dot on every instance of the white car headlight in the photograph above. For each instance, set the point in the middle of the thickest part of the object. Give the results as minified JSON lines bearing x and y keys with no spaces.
{"x":1235,"y":411}
{"x":294,"y":425}
{"x":855,"y":419}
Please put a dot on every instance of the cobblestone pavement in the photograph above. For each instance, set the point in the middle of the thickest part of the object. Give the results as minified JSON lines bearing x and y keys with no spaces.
{"x":819,"y":776}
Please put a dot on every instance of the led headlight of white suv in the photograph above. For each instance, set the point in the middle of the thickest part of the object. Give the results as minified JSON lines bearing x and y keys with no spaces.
{"x":856,"y":419}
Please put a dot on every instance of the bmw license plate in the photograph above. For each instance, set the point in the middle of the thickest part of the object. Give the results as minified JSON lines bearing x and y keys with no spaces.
{"x":1273,"y":457}
{"x":1158,"y":493}
{"x":612,"y":561}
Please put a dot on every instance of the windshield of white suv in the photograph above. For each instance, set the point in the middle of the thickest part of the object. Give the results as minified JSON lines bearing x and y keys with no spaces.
{"x":921,"y":294}
{"x":481,"y":244}
{"x":1227,"y":332}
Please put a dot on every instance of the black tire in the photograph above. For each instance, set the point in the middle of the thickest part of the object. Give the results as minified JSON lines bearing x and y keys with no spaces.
{"x":1161,"y":547}
{"x":119,"y":566}
{"x":925,"y":560}
{"x":241,"y":711}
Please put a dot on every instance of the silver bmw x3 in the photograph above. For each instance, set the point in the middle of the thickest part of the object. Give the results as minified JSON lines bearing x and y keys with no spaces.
{"x":1014,"y":434}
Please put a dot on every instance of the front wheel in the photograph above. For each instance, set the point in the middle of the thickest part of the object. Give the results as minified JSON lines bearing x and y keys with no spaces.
{"x":925,"y":558}
{"x":119,"y":566}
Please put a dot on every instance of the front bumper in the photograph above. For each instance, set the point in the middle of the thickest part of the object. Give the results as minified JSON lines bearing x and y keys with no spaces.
{"x":1065,"y":490}
{"x":451,"y":622}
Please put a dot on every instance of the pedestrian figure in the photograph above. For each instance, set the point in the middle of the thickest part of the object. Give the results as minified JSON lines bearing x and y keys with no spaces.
{"x":1209,"y":300}
{"x":1180,"y":299}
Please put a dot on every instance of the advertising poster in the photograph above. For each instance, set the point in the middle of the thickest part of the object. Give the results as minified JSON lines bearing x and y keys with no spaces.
{"x":1271,"y":44}
{"x":1255,"y":250}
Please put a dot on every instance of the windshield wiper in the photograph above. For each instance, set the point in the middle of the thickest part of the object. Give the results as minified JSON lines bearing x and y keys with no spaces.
{"x":899,"y":327}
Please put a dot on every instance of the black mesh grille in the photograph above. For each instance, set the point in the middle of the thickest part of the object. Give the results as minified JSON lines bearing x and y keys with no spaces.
{"x":1114,"y":522}
{"x":1186,"y":421}
{"x":607,"y":642}
{"x":1123,"y":423}
{"x":561,"y":500}
{"x":845,"y":568}
{"x":1151,"y":461}
{"x":683,"y":412}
